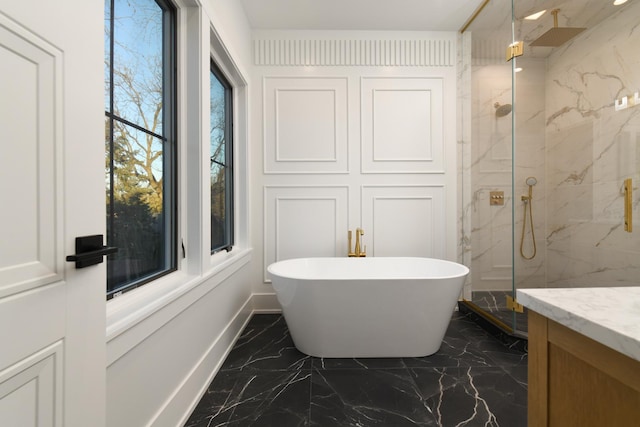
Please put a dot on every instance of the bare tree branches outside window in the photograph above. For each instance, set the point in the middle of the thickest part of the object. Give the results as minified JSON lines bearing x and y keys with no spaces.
{"x":138,"y":143}
{"x":221,"y":161}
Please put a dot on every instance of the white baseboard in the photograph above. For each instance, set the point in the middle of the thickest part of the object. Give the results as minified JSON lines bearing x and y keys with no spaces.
{"x":179,"y":407}
{"x":265,"y":303}
{"x":181,"y":404}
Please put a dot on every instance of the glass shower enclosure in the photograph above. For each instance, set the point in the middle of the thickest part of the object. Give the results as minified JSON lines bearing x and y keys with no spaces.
{"x":550,"y":150}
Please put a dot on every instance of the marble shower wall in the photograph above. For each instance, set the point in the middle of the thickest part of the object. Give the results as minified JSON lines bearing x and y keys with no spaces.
{"x":570,"y":138}
{"x":590,"y":150}
{"x":490,"y":170}
{"x":530,"y":161}
{"x":490,"y":167}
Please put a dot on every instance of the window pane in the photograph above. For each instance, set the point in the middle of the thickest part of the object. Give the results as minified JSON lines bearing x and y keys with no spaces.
{"x":139,"y":141}
{"x":218,"y":121}
{"x":218,"y":209}
{"x":135,"y":221}
{"x":220,"y":162}
{"x":107,"y":163}
{"x":137,"y":57}
{"x":107,"y":55}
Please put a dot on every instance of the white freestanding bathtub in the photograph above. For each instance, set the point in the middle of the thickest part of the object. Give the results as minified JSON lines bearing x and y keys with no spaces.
{"x":367,"y":307}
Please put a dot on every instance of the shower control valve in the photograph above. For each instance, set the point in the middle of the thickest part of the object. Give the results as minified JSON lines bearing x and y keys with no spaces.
{"x":496,"y":198}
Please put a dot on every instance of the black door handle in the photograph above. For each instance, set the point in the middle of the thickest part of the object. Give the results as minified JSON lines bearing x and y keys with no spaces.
{"x":90,"y":251}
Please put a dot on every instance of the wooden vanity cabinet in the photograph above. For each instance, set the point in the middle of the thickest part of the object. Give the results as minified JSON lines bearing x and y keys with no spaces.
{"x":576,"y":381}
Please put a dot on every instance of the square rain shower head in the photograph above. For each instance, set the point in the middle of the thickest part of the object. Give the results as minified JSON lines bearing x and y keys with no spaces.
{"x":557,"y":36}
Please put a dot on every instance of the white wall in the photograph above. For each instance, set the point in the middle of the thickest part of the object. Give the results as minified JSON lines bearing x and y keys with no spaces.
{"x":166,"y":340}
{"x":352,"y":129}
{"x":369,"y":142}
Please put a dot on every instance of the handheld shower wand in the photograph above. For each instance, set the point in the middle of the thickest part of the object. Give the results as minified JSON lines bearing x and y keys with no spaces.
{"x":528,"y":201}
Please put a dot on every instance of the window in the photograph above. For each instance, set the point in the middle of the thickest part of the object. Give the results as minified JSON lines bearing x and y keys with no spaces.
{"x":140,"y":143}
{"x":221,"y":161}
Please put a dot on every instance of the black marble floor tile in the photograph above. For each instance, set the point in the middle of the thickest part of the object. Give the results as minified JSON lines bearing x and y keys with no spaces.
{"x":495,"y":303}
{"x":268,"y":398}
{"x":363,"y":363}
{"x":358,"y":397}
{"x":504,"y":334}
{"x":473,"y":380}
{"x":472,"y":396}
{"x":519,"y":372}
{"x":266,"y":344}
{"x":499,"y":352}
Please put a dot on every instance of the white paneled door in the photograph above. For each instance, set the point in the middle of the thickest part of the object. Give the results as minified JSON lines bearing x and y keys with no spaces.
{"x":52,"y":316}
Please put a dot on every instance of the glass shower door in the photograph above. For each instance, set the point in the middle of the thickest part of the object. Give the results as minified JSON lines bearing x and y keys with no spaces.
{"x":576,"y":147}
{"x":551,"y":153}
{"x":488,"y":184}
{"x":529,"y":163}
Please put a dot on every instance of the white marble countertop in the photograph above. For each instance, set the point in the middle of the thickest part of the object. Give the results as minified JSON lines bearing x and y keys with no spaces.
{"x":610,"y":316}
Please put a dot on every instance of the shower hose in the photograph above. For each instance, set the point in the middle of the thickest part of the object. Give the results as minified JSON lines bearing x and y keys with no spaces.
{"x":528,"y":204}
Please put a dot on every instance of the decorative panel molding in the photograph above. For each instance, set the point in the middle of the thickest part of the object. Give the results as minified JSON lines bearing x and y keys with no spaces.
{"x":305,"y":134}
{"x":305,"y":125}
{"x":30,"y":154}
{"x":404,"y":220}
{"x":355,"y":52}
{"x":28,"y":389}
{"x":304,"y":221}
{"x":402,"y":126}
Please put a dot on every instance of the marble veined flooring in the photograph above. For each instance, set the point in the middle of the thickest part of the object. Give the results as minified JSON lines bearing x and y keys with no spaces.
{"x":473,"y":380}
{"x":495,"y":303}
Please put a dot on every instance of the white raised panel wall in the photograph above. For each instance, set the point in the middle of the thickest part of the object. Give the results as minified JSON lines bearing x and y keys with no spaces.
{"x":358,"y":130}
{"x":305,"y":125}
{"x":304,"y":221}
{"x":404,"y":220}
{"x":402,"y":125}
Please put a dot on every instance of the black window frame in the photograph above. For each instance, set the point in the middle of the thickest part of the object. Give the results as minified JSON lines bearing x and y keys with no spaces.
{"x":169,"y":138}
{"x":229,"y":169}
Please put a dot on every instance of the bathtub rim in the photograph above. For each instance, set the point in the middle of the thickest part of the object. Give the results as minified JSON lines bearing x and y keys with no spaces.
{"x":463,"y":269}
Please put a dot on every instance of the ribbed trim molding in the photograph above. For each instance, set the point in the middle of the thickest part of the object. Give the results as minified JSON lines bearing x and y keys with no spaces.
{"x":391,"y":53}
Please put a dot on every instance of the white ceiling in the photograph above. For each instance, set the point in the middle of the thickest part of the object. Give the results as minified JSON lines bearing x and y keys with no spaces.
{"x":492,"y":30}
{"x":398,"y":15}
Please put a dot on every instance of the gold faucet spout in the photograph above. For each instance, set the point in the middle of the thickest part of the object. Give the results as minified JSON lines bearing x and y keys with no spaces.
{"x":357,"y":251}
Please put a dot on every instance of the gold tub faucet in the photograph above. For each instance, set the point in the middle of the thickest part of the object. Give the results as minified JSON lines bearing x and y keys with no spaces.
{"x":358,"y":251}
